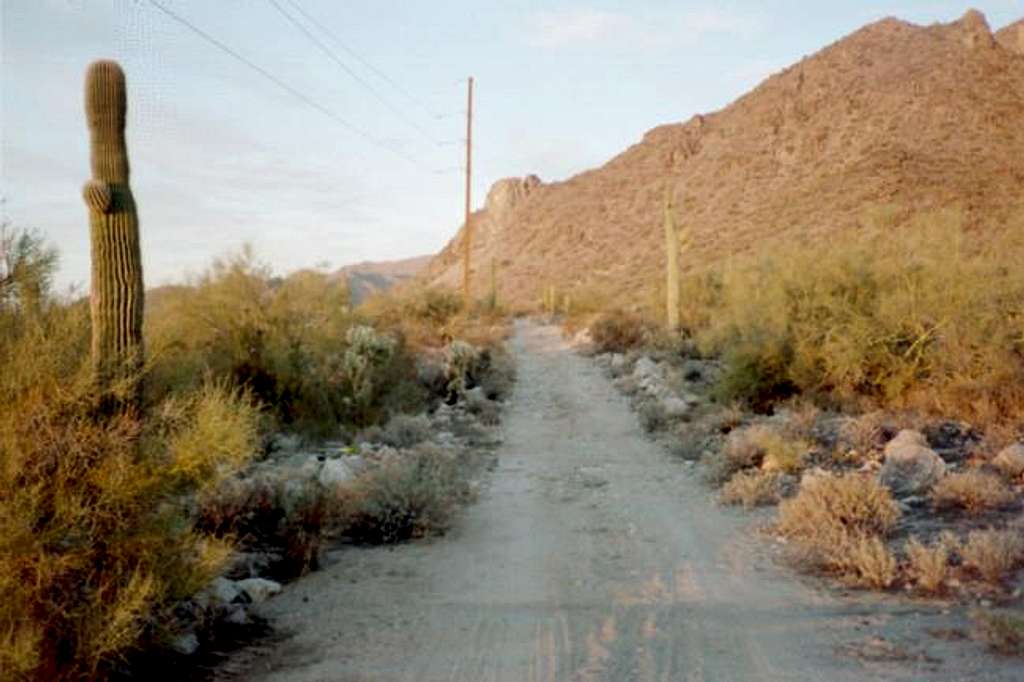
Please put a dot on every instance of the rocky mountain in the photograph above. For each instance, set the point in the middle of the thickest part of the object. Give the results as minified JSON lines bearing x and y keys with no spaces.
{"x":369,"y":277}
{"x":897,"y":116}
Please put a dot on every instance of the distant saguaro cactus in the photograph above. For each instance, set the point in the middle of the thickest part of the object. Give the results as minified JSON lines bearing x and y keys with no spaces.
{"x":116,"y":296}
{"x":671,"y":266}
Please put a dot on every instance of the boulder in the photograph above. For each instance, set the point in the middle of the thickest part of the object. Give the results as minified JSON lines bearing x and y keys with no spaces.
{"x":186,"y":645}
{"x":1010,"y":461}
{"x":259,"y":589}
{"x":223,"y":591}
{"x":910,"y":469}
{"x":906,"y":437}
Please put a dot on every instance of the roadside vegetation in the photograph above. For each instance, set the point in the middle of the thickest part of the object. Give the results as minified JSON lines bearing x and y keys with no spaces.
{"x":870,"y":386}
{"x":116,"y":523}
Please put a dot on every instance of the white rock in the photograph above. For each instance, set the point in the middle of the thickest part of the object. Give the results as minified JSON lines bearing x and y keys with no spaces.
{"x":259,"y":589}
{"x":223,"y":591}
{"x":617,"y":361}
{"x":674,"y":408}
{"x":1010,"y":460}
{"x":186,"y":645}
{"x":336,"y":472}
{"x":911,"y":469}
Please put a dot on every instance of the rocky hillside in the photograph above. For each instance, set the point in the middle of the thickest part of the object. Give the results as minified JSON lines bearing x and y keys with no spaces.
{"x":370,"y":277}
{"x":898,"y":116}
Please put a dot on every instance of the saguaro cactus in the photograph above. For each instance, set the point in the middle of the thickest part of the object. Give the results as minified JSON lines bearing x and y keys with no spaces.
{"x":671,"y":266}
{"x":116,"y":298}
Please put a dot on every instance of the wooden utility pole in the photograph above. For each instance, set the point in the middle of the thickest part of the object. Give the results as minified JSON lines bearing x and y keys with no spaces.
{"x":468,"y":235}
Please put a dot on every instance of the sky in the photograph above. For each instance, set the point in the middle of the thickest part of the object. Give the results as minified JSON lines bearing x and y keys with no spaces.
{"x":346,"y":142}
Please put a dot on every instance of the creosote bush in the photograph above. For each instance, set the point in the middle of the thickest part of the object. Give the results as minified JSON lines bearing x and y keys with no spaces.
{"x":909,"y":317}
{"x":96,"y":543}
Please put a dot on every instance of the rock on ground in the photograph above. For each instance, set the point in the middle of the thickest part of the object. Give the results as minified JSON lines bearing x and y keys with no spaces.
{"x":910,"y":467}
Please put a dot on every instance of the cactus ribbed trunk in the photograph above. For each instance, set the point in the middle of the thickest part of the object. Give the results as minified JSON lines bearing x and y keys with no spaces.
{"x":116,"y":297}
{"x":671,"y":267}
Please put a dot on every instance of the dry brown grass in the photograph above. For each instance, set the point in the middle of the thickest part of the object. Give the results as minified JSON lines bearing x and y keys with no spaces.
{"x":869,"y":563}
{"x":928,"y":565}
{"x":839,"y":524}
{"x":973,"y":491}
{"x":993,"y":553}
{"x":751,"y":489}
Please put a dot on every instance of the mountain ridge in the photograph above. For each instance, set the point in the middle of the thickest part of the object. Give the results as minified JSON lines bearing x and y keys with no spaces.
{"x":915,"y":118}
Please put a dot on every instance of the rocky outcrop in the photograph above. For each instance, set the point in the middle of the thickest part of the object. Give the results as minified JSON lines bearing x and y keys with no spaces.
{"x":1012,"y":37}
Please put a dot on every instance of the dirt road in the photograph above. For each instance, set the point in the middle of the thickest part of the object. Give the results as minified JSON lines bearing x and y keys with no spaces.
{"x":593,"y":555}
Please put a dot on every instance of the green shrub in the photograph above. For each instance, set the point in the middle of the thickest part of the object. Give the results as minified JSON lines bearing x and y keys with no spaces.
{"x":411,"y":493}
{"x":95,"y":540}
{"x":920,"y":317}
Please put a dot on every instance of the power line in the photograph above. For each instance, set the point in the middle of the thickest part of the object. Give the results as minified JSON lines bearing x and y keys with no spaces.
{"x":337,"y":60}
{"x":285,"y":86}
{"x":355,"y":55}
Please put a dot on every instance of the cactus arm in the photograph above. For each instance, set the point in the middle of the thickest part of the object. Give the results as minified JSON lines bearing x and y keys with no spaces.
{"x":97,"y":195}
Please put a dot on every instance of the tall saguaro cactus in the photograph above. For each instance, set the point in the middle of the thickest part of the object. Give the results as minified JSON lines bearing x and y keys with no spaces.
{"x":116,"y":298}
{"x":671,"y":266}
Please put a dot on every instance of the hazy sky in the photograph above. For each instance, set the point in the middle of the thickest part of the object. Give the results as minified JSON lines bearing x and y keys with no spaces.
{"x":221,"y":155}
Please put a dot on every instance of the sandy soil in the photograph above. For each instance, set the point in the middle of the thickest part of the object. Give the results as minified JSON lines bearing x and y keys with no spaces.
{"x":593,"y":555}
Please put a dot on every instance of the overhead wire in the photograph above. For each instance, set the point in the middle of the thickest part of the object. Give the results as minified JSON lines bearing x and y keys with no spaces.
{"x":366,"y":63}
{"x":294,"y":92}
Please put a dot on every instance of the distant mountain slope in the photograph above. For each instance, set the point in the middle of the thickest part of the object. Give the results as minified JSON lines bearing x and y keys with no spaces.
{"x":369,"y":277}
{"x":895,"y":114}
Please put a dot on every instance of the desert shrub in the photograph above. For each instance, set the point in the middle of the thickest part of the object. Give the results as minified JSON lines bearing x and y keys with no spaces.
{"x":497,"y":373}
{"x":829,"y":505}
{"x":839,"y":524}
{"x":410,"y":493}
{"x":928,"y":565}
{"x":293,"y":343}
{"x":94,"y":535}
{"x":751,"y":489}
{"x":869,"y":562}
{"x":759,"y":445}
{"x":973,"y":491}
{"x":1002,"y":632}
{"x":993,"y":553}
{"x":286,"y":519}
{"x":910,"y":317}
{"x":405,"y":431}
{"x":620,"y":331}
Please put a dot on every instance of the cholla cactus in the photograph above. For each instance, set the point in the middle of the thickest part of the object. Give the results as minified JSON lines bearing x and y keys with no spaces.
{"x":367,"y":351}
{"x":460,"y":358}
